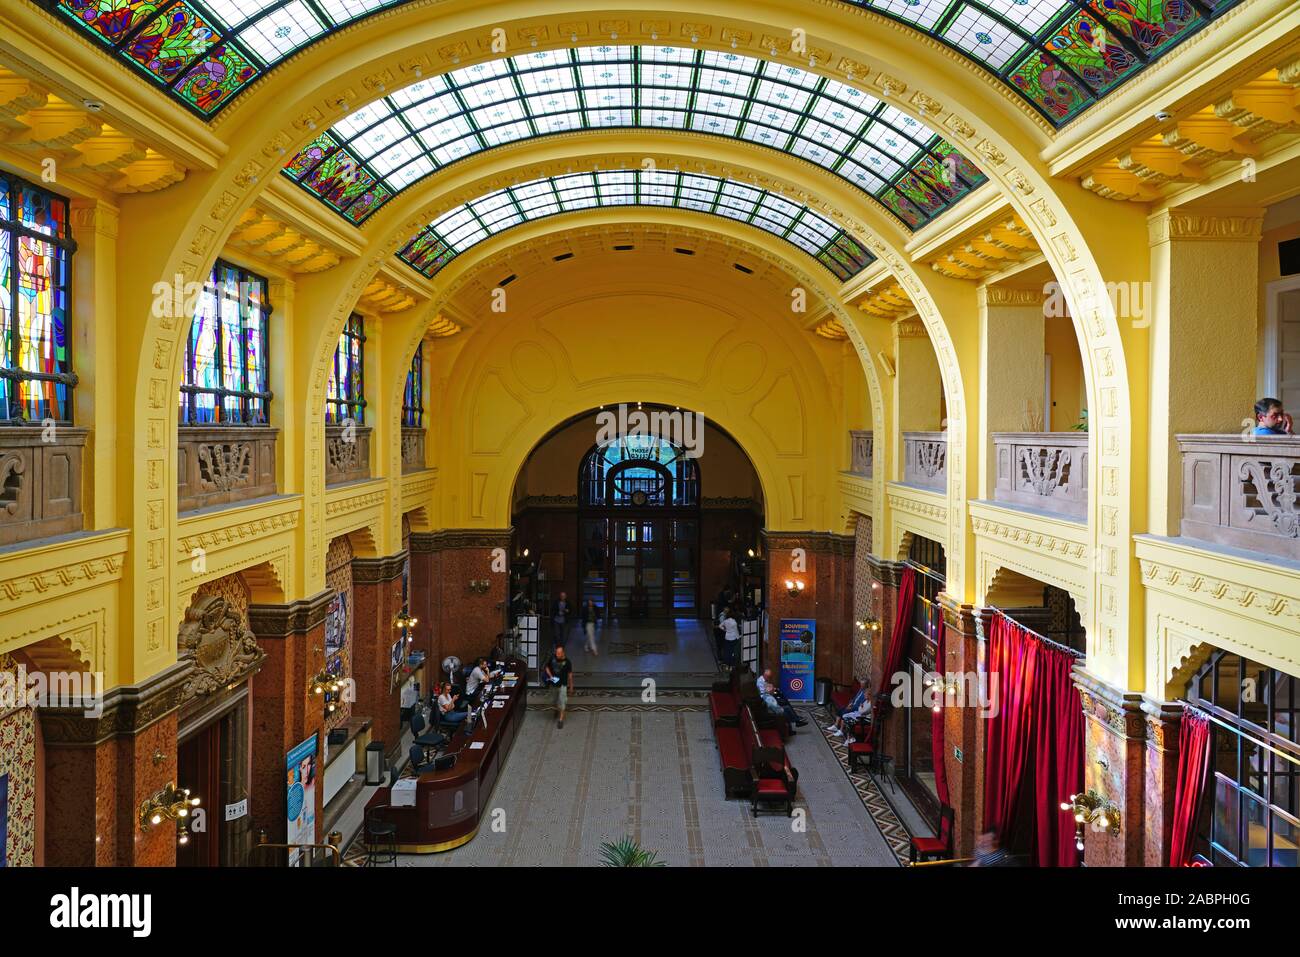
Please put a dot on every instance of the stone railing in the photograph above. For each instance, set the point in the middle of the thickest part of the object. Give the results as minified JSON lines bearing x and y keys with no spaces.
{"x":412,"y":449}
{"x":1243,"y":491}
{"x":925,"y":460}
{"x":222,"y":464}
{"x":347,"y":453}
{"x":1043,"y":470}
{"x":40,"y":481}
{"x":862,"y":453}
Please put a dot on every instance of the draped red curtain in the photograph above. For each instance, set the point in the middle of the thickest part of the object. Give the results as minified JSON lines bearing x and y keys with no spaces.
{"x":1012,"y":657}
{"x":1193,"y":769}
{"x":937,"y":748}
{"x":1058,"y":756}
{"x":902,"y":626}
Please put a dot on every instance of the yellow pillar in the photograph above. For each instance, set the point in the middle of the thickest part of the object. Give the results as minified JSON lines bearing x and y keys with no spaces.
{"x":1011,"y":368}
{"x":1202,"y":306}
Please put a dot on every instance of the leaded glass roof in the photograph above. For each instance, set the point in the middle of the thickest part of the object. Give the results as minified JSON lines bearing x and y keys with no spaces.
{"x":464,"y":227}
{"x":1060,"y":55}
{"x":378,"y":150}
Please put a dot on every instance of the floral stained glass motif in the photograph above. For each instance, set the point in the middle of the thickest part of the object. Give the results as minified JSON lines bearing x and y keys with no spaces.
{"x":225,"y":360}
{"x":403,"y":137}
{"x":472,"y":223}
{"x":345,"y":397}
{"x":210,"y":81}
{"x":36,"y":248}
{"x":1012,"y":39}
{"x":413,"y":393}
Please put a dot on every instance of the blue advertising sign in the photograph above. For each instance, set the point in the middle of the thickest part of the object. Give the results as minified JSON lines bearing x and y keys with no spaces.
{"x":798,"y":637}
{"x":301,"y":797}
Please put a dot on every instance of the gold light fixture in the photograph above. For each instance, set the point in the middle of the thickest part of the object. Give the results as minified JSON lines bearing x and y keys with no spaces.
{"x":866,"y":628}
{"x":1090,"y":808}
{"x":405,"y":621}
{"x":479,"y":586}
{"x":794,"y":587}
{"x":169,"y":804}
{"x":750,"y":553}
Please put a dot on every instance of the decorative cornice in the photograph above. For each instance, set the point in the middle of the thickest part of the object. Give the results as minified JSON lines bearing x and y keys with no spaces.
{"x":62,"y":578}
{"x":1217,"y":225}
{"x":819,"y":543}
{"x":885,"y":571}
{"x":1117,"y":710}
{"x":1233,"y":597}
{"x":369,"y":571}
{"x":295,"y":618}
{"x":1071,"y":549}
{"x":905,"y":503}
{"x":1163,"y":723}
{"x":962,"y":618}
{"x":453,"y":538}
{"x":355,"y":503}
{"x":910,"y":329}
{"x":127,"y":710}
{"x":218,"y":537}
{"x":1005,"y":296}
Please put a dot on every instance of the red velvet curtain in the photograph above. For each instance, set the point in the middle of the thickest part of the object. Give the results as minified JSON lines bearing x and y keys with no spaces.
{"x":937,"y":748}
{"x":902,"y":627}
{"x":1193,"y":768}
{"x":1012,"y":657}
{"x":1058,"y":756}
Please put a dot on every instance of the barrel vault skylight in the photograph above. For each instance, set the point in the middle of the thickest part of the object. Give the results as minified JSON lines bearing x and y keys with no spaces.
{"x":1060,"y":55}
{"x":380,"y":149}
{"x":467,"y":225}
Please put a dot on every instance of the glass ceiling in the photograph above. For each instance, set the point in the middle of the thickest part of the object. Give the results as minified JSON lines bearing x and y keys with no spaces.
{"x":378,"y":150}
{"x":1060,"y":55}
{"x":466,"y":226}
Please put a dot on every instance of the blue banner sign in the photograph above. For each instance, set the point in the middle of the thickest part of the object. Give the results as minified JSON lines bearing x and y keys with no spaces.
{"x":798,"y":637}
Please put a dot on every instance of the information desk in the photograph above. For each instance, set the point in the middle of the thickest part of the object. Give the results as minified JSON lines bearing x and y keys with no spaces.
{"x":450,"y":804}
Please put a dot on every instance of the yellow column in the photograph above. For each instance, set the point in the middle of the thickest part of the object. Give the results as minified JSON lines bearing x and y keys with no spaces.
{"x":94,"y":353}
{"x":1011,"y":368}
{"x":1201,"y":305}
{"x":285,"y":378}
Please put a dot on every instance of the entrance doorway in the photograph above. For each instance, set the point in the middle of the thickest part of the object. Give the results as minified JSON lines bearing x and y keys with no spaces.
{"x":211,"y":762}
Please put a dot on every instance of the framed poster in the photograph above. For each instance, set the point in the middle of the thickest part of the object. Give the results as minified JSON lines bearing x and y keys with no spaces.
{"x":398,"y":655}
{"x":798,"y":638}
{"x":300,"y":806}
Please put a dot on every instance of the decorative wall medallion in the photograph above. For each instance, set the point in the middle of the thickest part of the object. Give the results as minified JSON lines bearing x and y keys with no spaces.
{"x":221,"y":646}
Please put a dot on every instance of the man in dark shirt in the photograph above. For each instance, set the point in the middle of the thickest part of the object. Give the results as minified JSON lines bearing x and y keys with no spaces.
{"x":558,"y":674}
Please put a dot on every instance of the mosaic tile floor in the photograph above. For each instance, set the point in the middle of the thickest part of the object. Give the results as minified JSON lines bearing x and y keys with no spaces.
{"x":623,"y":767}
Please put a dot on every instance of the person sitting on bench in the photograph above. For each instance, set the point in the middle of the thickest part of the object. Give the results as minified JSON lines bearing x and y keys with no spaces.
{"x":775,"y":707}
{"x":859,"y":708}
{"x":766,"y":688}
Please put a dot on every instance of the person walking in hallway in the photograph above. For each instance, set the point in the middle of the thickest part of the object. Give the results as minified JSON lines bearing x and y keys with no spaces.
{"x":559,"y":675}
{"x":589,"y":615}
{"x":561,"y":618}
{"x":730,"y":637}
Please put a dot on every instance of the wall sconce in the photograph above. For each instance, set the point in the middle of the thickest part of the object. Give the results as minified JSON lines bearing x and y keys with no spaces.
{"x":750,"y":552}
{"x":169,"y":804}
{"x":866,"y":627}
{"x":405,"y":621}
{"x":328,"y":685}
{"x":795,"y":588}
{"x":479,"y":586}
{"x":1091,"y":808}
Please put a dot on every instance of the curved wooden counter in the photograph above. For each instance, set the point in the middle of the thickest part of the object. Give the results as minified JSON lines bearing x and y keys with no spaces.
{"x":449,"y":804}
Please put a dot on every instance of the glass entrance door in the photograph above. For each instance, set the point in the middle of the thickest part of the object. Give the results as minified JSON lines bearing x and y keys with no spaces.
{"x":639,"y":566}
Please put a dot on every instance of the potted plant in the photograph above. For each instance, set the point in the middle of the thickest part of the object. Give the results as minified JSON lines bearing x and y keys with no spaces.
{"x":628,"y":853}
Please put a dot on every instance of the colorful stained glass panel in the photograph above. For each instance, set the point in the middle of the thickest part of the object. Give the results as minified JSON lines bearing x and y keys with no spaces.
{"x":215,"y":78}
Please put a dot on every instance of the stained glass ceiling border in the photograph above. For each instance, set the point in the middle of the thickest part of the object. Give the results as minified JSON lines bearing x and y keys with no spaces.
{"x":1060,"y":55}
{"x":469,"y":224}
{"x":361,"y":162}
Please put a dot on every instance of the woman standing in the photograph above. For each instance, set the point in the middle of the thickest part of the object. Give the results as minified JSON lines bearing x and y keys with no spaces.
{"x":589,"y":615}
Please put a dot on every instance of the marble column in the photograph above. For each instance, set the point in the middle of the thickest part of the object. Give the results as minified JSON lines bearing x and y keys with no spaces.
{"x":99,"y":770}
{"x":963,"y":721}
{"x":377,"y":599}
{"x":284,"y":711}
{"x":1115,"y":742}
{"x":827,"y":573}
{"x":461,"y":621}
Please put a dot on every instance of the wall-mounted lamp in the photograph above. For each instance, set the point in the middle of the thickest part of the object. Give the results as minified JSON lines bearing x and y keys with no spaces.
{"x":1091,"y":808}
{"x":169,"y":804}
{"x":479,"y":586}
{"x":525,"y":554}
{"x":405,"y":621}
{"x":795,"y":588}
{"x":328,"y":685}
{"x":750,"y":553}
{"x":866,"y":627}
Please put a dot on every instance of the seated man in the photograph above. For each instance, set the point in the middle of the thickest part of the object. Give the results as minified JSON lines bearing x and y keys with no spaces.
{"x":776,"y":707}
{"x":859,"y":708}
{"x":481,"y":674}
{"x":448,"y":706}
{"x":766,"y":686}
{"x":1270,"y":419}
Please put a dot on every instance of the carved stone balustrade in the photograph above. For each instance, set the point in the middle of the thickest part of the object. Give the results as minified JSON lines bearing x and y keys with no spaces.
{"x":412,"y":449}
{"x":223,"y":464}
{"x":863,"y":453}
{"x":925,"y":460}
{"x":1043,"y":470}
{"x":347,"y":453}
{"x":40,"y":481}
{"x":1243,"y":490}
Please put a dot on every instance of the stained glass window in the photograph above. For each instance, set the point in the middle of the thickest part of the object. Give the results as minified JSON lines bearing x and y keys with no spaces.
{"x":377,"y":151}
{"x":345,"y":393}
{"x":640,"y":469}
{"x":470,"y":224}
{"x":413,"y":394}
{"x":1054,"y":53}
{"x":36,"y":248}
{"x":225,"y":358}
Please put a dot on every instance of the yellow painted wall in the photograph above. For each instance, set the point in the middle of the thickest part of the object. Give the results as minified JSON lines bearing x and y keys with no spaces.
{"x":1069,"y":395}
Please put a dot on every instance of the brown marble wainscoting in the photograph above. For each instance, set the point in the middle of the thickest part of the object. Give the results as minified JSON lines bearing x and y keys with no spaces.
{"x":963,"y":722}
{"x":1115,"y":737}
{"x":99,"y":770}
{"x":284,"y":712}
{"x":377,"y":598}
{"x":453,"y":619}
{"x":1163,"y":738}
{"x":827,"y":597}
{"x":887,"y":573}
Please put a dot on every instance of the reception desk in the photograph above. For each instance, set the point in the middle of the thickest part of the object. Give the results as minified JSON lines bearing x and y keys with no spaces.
{"x":450,"y":804}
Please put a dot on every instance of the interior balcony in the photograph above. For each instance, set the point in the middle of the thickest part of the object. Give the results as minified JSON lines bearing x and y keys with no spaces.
{"x":925,"y":460}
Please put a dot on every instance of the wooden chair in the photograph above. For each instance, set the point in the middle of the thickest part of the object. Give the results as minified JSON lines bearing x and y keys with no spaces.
{"x":935,"y":848}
